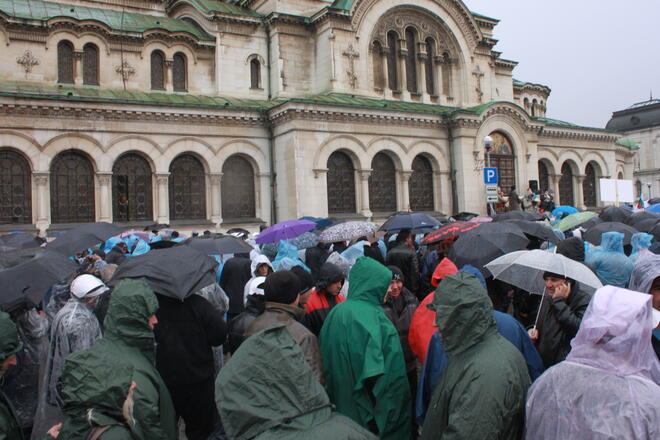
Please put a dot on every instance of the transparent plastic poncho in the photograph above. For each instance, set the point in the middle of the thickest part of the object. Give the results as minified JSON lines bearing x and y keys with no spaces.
{"x":645,"y":270}
{"x":609,"y":262}
{"x":640,"y":241}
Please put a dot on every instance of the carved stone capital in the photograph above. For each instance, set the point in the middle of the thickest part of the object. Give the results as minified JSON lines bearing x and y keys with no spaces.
{"x":41,"y":177}
{"x":319,"y":171}
{"x":105,"y":179}
{"x":405,"y":175}
{"x":163,"y":178}
{"x":78,"y":54}
{"x":215,"y":178}
{"x":169,"y":63}
{"x":365,"y":174}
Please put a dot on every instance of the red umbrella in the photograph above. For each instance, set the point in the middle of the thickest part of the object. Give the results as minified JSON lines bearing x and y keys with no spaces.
{"x":452,"y":230}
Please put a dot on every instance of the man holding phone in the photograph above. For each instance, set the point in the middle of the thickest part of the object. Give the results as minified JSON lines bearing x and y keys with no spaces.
{"x":559,"y":318}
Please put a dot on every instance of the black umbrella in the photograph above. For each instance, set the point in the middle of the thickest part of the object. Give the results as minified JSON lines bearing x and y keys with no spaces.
{"x":82,"y":237}
{"x":162,"y":244}
{"x":219,"y":245}
{"x":156,"y":227}
{"x":482,"y":245}
{"x":615,"y":214}
{"x":594,"y":234}
{"x":654,"y":201}
{"x":464,"y":216}
{"x":409,"y":220}
{"x":239,"y":232}
{"x":19,"y":240}
{"x":176,"y":272}
{"x":536,"y":230}
{"x":591,"y":223}
{"x":27,"y":274}
{"x":655,"y":231}
{"x":642,"y":217}
{"x":518,"y":215}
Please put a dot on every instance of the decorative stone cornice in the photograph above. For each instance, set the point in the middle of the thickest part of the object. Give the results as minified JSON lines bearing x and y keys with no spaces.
{"x":577,"y":134}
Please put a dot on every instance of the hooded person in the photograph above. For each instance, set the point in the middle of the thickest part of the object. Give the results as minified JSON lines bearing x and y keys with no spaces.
{"x":404,"y":256}
{"x":363,"y":363}
{"x":315,"y":256}
{"x":268,"y":391}
{"x":282,"y":294}
{"x":645,"y":278}
{"x":608,"y":387}
{"x":10,"y":344}
{"x":253,"y":308}
{"x":235,"y":275}
{"x":572,"y":248}
{"x":259,"y":267}
{"x":325,"y":297}
{"x":481,"y":393}
{"x":129,"y":340}
{"x":609,"y":262}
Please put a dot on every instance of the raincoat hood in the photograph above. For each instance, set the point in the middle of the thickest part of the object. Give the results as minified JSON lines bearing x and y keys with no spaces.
{"x":463,"y":312}
{"x":646,"y":269}
{"x":268,"y":384}
{"x":609,"y":262}
{"x":257,"y":261}
{"x":132,"y":303}
{"x":328,"y":274}
{"x":572,"y":248}
{"x":615,"y":334}
{"x":612,"y":241}
{"x":369,"y":281}
{"x":444,"y":268}
{"x":9,"y":342}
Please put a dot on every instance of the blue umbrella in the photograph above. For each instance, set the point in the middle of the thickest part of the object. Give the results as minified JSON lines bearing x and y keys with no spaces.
{"x":559,"y":210}
{"x":409,"y":220}
{"x":285,"y":230}
{"x":320,"y":222}
{"x":654,"y":208}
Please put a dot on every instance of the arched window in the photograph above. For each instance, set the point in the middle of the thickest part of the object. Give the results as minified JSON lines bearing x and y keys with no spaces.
{"x":411,"y":60}
{"x":446,"y":74}
{"x":65,"y":62}
{"x":382,"y":184}
{"x":566,"y":185}
{"x":544,"y":176}
{"x":187,"y":188}
{"x":535,"y":109}
{"x":620,"y":176}
{"x":71,"y":188}
{"x":157,"y":70}
{"x":179,"y":72}
{"x":255,"y":74}
{"x":15,"y":189}
{"x":430,"y":66}
{"x":238,"y":194}
{"x":377,"y":57}
{"x":589,"y":186}
{"x":420,"y":186}
{"x":341,"y":184}
{"x":526,"y":105}
{"x":392,"y":50}
{"x":90,"y":64}
{"x":131,"y":189}
{"x":502,"y":157}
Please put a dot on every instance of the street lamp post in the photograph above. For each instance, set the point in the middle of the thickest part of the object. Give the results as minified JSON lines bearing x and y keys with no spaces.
{"x":488,"y":145}
{"x":649,"y":185}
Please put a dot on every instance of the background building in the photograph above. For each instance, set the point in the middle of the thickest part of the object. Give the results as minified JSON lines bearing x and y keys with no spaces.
{"x":204,"y":113}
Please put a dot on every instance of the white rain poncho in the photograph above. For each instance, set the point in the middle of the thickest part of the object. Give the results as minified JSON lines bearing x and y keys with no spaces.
{"x":608,"y":386}
{"x":257,"y":260}
{"x":639,"y":241}
{"x":214,"y":294}
{"x":74,"y":328}
{"x":646,"y":269}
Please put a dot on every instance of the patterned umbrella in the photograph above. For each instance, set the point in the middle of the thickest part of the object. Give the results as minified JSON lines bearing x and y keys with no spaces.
{"x":304,"y":241}
{"x":347,"y":231}
{"x":452,"y":230}
{"x":284,"y":231}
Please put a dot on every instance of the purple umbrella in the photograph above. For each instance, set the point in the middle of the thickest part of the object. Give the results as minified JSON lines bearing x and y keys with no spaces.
{"x":285,"y":230}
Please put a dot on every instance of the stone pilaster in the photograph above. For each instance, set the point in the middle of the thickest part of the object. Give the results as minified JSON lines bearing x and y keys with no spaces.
{"x":405,"y":190}
{"x":162,"y":183}
{"x":364,"y":193}
{"x":216,"y":198}
{"x":105,"y":196}
{"x":41,"y":180}
{"x":77,"y":67}
{"x":579,"y":191}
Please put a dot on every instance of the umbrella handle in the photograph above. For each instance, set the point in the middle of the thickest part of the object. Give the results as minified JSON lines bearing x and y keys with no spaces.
{"x":538,"y":313}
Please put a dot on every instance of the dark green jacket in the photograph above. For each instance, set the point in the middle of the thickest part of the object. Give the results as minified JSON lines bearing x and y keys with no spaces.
{"x":10,"y":344}
{"x":363,"y":362}
{"x":129,"y":342}
{"x":267,"y":391}
{"x":481,"y":393}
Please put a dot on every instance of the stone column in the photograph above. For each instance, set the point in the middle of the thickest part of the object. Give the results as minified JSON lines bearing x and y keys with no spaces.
{"x":579,"y":191}
{"x":401,"y":62}
{"x":364,"y":193}
{"x":216,"y":198}
{"x":421,"y":63}
{"x":162,"y":181}
{"x":77,"y":67}
{"x":554,"y":182}
{"x":169,"y":81}
{"x":405,"y":191}
{"x":105,"y":196}
{"x":263,"y":198}
{"x":442,"y":192}
{"x":41,"y":180}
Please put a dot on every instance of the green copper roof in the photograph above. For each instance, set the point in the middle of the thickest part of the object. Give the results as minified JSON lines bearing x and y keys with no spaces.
{"x":344,"y":5}
{"x":126,"y":22}
{"x":518,"y":83}
{"x":343,"y":100}
{"x":476,"y":14}
{"x":216,"y":6}
{"x":563,"y":124}
{"x":628,"y":143}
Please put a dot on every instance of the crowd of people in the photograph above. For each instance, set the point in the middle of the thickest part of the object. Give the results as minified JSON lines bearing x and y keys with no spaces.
{"x":398,"y":344}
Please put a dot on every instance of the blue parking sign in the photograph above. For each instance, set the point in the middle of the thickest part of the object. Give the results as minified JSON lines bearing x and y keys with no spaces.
{"x":490,"y":176}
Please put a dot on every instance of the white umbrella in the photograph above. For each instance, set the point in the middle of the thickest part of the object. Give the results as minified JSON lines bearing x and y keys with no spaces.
{"x":524,"y":269}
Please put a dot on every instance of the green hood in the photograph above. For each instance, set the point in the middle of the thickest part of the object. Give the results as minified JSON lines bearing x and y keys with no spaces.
{"x":369,"y":281}
{"x":9,"y":342}
{"x":268,"y":385}
{"x":463,"y":312}
{"x":132,"y":303}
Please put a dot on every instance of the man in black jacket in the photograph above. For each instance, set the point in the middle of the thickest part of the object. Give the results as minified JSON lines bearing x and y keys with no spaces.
{"x":235,"y":273}
{"x":404,"y":256}
{"x":559,"y":318}
{"x":185,"y":334}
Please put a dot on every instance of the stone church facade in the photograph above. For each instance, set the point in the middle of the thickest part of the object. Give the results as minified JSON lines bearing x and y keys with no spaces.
{"x":206,"y":114}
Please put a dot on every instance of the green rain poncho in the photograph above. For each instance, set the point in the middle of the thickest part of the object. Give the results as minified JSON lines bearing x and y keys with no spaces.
{"x":9,"y":346}
{"x":481,"y":393}
{"x":363,"y":362}
{"x":267,"y":391}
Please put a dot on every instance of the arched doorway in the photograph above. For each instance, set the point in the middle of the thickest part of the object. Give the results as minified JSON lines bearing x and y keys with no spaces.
{"x":544,"y":177}
{"x":341,"y":184}
{"x":566,"y":185}
{"x":589,"y":186}
{"x":420,"y":186}
{"x":187,"y":186}
{"x":382,"y":184}
{"x":131,"y":189}
{"x":503,"y":158}
{"x":15,"y":189}
{"x":238,"y":194}
{"x":71,"y":188}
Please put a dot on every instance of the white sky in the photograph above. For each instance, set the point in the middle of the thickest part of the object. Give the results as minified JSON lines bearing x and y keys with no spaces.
{"x":597,"y":56}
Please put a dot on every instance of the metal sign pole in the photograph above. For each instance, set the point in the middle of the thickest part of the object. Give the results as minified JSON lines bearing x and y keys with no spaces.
{"x":490,"y":204}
